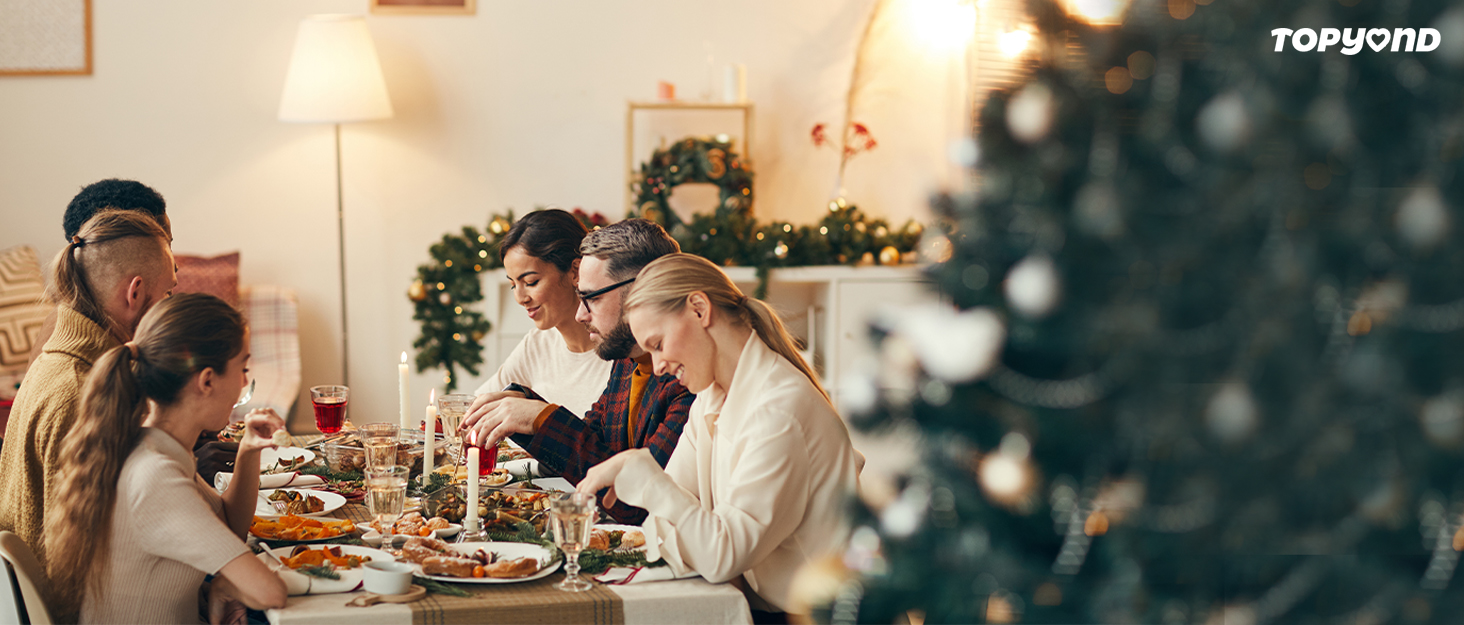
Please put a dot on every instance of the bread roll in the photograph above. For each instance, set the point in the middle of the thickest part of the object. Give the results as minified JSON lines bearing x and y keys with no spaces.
{"x":522,"y":567}
{"x":450,"y":566}
{"x":599,"y":539}
{"x":632,"y":539}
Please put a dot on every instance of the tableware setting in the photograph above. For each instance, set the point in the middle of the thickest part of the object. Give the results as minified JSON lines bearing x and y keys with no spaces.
{"x":284,"y":458}
{"x":571,"y":519}
{"x":274,"y":503}
{"x":512,"y":558}
{"x":348,"y":562}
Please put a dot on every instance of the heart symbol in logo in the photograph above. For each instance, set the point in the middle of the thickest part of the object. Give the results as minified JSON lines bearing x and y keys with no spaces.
{"x":1378,"y":46}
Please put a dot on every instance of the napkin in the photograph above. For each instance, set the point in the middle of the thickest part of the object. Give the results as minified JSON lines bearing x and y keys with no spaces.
{"x":620,"y":575}
{"x":302,"y":584}
{"x":278,"y":480}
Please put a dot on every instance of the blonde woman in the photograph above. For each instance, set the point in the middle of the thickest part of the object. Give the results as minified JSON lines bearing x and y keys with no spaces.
{"x":759,"y":481}
{"x":133,"y":530}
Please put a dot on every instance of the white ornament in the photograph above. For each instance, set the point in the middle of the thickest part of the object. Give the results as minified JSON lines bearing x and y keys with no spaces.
{"x":1232,"y":415}
{"x":1029,"y":113}
{"x":1422,"y":219}
{"x":1003,"y":476}
{"x":1443,"y":420}
{"x":1032,"y":286}
{"x":1224,"y":123}
{"x":954,"y":346}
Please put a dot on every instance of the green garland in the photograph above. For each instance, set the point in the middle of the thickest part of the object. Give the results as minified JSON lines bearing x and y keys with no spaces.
{"x":692,"y":160}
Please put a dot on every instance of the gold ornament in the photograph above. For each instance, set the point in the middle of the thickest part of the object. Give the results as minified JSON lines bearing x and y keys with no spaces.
{"x":651,"y":214}
{"x":889,"y":256}
{"x":477,"y":336}
{"x":417,"y":292}
{"x":867,"y":259}
{"x":499,"y":225}
{"x":444,"y":298}
{"x":859,"y":226}
{"x":716,"y":167}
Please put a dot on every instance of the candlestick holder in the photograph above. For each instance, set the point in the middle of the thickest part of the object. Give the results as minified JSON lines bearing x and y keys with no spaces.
{"x":472,"y":532}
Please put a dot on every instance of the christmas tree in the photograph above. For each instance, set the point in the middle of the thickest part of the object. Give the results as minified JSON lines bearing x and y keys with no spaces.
{"x":1209,"y":306}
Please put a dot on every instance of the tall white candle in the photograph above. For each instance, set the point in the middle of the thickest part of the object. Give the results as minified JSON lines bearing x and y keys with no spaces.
{"x":734,"y":84}
{"x":430,"y":438}
{"x":470,"y":522}
{"x":404,"y":389}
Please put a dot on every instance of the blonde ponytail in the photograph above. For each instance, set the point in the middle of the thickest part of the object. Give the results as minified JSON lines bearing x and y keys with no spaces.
{"x":78,"y":270}
{"x":666,"y":283}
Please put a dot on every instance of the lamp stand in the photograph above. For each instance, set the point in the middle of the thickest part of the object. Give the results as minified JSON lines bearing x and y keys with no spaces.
{"x":341,"y":233}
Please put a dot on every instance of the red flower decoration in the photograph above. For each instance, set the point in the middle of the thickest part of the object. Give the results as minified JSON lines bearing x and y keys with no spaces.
{"x":818,"y":135}
{"x":860,"y":129}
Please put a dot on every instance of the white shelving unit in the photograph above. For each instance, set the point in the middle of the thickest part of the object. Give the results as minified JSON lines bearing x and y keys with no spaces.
{"x":828,"y":307}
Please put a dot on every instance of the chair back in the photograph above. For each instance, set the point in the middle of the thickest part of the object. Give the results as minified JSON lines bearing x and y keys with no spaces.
{"x":29,"y":576}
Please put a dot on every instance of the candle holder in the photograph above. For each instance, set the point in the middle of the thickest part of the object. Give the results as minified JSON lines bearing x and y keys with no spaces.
{"x":472,"y":532}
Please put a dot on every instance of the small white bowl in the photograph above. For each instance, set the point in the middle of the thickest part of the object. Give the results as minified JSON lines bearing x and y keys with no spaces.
{"x":387,"y":578}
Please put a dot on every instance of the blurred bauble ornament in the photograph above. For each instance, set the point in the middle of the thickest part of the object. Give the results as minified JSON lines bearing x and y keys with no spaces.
{"x":910,"y":257}
{"x":1232,"y":415}
{"x":1033,"y":287}
{"x":889,"y":256}
{"x":1443,"y":420}
{"x":445,"y":298}
{"x":866,"y":259}
{"x":499,"y":225}
{"x":477,"y":336}
{"x":780,"y":251}
{"x":1224,"y":123}
{"x":1423,"y":219}
{"x":952,"y":346}
{"x":417,"y":292}
{"x":1029,"y":113}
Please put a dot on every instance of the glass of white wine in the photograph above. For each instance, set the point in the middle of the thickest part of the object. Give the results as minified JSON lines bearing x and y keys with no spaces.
{"x":386,"y":494}
{"x":571,"y":516}
{"x":452,"y":408}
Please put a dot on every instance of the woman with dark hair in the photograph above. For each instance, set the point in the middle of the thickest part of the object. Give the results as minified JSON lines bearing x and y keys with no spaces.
{"x":133,"y":531}
{"x":541,"y":255}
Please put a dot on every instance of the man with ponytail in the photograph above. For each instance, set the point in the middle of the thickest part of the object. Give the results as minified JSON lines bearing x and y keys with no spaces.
{"x":758,"y":485}
{"x":638,"y":410}
{"x":114,"y":269}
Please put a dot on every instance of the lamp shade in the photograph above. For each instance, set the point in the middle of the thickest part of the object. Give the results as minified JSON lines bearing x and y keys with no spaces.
{"x":334,"y":75}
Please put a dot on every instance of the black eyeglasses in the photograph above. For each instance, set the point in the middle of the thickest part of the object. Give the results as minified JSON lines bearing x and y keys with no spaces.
{"x":586,"y":298}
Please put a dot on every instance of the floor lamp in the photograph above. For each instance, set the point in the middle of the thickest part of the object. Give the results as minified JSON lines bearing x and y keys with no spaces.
{"x":334,"y":78}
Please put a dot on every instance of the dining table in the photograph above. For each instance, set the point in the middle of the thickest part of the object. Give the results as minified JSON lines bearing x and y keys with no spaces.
{"x":686,"y":600}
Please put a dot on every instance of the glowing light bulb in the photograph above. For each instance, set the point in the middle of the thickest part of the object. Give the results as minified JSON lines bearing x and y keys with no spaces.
{"x":944,"y":24}
{"x":1098,"y":12}
{"x":1003,"y":476}
{"x":1013,"y":44}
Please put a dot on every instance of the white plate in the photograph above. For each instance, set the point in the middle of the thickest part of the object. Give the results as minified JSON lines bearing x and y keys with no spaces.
{"x":372,"y":537}
{"x":507,"y":550}
{"x":552,"y":484}
{"x":332,"y":501}
{"x":347,"y":575}
{"x":270,"y":458}
{"x":611,"y":527}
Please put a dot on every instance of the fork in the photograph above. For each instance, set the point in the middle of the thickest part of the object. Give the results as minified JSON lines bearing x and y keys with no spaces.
{"x":248,"y":395}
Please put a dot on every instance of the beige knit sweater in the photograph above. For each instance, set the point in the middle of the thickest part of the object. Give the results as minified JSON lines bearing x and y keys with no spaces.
{"x":44,"y":411}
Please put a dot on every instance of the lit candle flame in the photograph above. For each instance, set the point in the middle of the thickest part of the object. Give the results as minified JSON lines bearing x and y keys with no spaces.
{"x":432,"y":397}
{"x":404,"y":358}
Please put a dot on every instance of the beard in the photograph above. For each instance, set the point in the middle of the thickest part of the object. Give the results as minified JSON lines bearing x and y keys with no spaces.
{"x":616,"y":344}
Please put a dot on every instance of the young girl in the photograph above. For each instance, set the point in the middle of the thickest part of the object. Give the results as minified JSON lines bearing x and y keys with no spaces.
{"x":556,"y":359}
{"x":133,"y":530}
{"x":760,"y":478}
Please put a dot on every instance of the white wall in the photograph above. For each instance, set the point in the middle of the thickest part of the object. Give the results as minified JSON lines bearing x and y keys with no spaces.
{"x":519,"y":105}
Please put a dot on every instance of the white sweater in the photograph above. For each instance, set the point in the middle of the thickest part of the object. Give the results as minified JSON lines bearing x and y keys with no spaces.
{"x":757,"y":485}
{"x":543,"y":362}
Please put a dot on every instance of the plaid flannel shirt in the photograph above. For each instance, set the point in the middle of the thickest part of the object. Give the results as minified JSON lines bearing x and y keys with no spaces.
{"x":569,"y":446}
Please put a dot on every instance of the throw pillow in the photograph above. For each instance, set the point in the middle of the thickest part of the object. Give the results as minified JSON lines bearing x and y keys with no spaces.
{"x":21,"y":313}
{"x":218,"y":276}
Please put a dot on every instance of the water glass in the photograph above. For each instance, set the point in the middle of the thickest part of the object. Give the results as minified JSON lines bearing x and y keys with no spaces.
{"x":330,"y":407}
{"x":451,"y":409}
{"x":386,"y":493}
{"x":380,"y":440}
{"x":571,"y":517}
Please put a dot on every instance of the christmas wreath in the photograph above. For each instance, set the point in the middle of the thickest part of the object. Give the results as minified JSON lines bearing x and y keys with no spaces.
{"x":708,"y":159}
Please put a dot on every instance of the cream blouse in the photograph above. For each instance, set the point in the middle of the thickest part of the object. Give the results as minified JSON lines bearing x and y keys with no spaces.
{"x":757,"y":485}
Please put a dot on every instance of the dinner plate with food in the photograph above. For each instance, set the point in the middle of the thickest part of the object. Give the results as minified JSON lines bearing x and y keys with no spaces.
{"x":412,"y":524}
{"x":611,"y":537}
{"x":301,"y":529}
{"x":478,"y":563}
{"x":285,"y":458}
{"x":345,"y":560}
{"x":297,"y":501}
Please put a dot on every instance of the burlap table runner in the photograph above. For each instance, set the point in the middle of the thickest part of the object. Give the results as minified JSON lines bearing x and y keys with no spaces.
{"x":528,"y":602}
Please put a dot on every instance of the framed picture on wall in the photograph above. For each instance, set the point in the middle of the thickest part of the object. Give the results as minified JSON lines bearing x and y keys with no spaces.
{"x":424,"y":7}
{"x":45,"y":37}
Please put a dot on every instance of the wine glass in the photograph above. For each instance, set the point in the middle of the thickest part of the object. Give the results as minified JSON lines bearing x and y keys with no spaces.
{"x":330,"y":407}
{"x":380,"y":440}
{"x":452,"y":408}
{"x":386,"y":493}
{"x":571,"y":516}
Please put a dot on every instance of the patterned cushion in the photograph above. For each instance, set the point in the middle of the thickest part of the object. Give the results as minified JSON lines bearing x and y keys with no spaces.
{"x":217,"y":276}
{"x":21,"y":312}
{"x":274,"y":350}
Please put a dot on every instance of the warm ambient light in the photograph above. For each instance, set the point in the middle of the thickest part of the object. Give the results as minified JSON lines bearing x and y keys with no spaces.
{"x":945,"y":24}
{"x":334,"y":76}
{"x":1098,"y":12}
{"x":1013,"y":44}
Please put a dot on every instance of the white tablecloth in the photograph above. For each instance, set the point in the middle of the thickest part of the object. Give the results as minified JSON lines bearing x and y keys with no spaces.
{"x":691,"y":600}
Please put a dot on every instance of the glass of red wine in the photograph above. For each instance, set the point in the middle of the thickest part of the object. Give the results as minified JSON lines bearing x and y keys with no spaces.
{"x":487,"y":456}
{"x":330,"y":407}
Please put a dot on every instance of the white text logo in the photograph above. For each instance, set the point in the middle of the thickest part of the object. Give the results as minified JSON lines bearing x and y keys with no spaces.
{"x":1351,"y":40}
